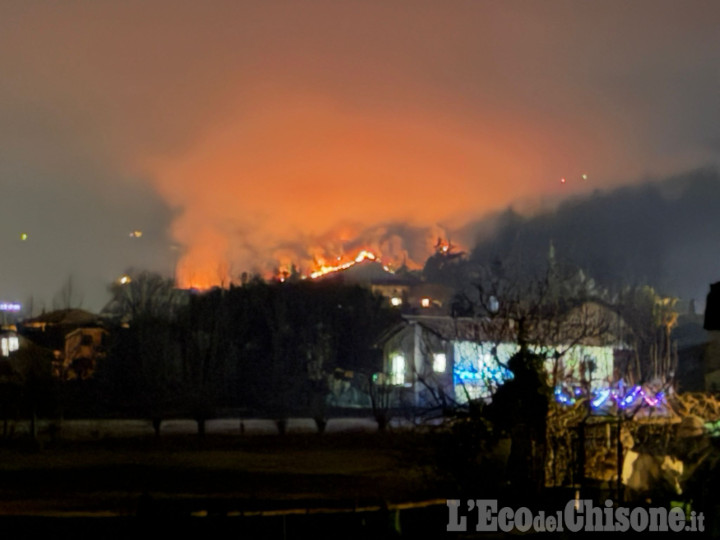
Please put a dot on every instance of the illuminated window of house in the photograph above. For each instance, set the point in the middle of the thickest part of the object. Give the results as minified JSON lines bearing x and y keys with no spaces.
{"x":396,"y":301}
{"x":439,"y":362}
{"x":425,"y":302}
{"x":13,"y":343}
{"x":5,"y":347}
{"x":397,"y":370}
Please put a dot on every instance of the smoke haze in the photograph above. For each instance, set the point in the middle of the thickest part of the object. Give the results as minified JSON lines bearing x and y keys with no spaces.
{"x":254,"y":135}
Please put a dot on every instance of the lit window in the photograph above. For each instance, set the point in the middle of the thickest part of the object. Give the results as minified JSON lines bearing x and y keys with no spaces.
{"x":13,"y":344}
{"x":397,"y":370}
{"x":425,"y":302}
{"x":396,"y":301}
{"x":5,"y":350}
{"x":439,"y":362}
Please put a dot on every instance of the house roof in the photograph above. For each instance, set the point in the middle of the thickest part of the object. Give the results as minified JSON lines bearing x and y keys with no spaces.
{"x":66,"y":317}
{"x":86,"y":329}
{"x":587,"y":324}
{"x":464,"y":328}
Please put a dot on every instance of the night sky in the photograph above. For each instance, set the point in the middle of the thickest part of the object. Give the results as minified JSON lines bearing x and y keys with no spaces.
{"x":242,"y":135}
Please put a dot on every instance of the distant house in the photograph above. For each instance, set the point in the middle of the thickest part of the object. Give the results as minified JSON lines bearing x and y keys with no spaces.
{"x":76,"y":337}
{"x":20,"y":360}
{"x":372,"y":274}
{"x":429,"y":360}
{"x":402,"y":290}
{"x":83,"y":348}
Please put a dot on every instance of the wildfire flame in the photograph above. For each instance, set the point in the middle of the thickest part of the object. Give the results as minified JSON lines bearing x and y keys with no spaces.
{"x":316,"y":261}
{"x":323,"y":270}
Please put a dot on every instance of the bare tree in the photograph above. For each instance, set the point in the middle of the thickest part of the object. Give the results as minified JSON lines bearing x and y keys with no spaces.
{"x":67,"y":297}
{"x":138,"y":294}
{"x":381,"y":399}
{"x":546,"y":315}
{"x":650,"y":319}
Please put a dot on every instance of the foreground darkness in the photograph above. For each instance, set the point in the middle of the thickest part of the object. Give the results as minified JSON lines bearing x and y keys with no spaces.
{"x":127,"y":477}
{"x":339,"y":485}
{"x":113,"y":486}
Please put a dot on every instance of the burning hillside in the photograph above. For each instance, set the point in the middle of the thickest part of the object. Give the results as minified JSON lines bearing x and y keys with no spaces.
{"x":389,"y":247}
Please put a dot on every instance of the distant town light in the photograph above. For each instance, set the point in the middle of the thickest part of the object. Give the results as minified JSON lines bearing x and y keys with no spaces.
{"x":10,"y":306}
{"x":425,"y":302}
{"x":23,"y":236}
{"x":9,"y":344}
{"x":396,"y":301}
{"x":136,"y":233}
{"x":124,"y":279}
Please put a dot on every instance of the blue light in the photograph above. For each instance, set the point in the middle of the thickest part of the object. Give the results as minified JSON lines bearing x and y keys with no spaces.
{"x":630,"y":398}
{"x":608,"y":395}
{"x":601,"y":398}
{"x":562,"y":398}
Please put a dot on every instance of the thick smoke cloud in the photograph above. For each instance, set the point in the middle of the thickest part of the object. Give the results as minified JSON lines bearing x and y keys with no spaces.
{"x":255,"y":134}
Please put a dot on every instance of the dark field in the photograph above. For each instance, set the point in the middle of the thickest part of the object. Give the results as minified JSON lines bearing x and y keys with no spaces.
{"x":202,"y":475}
{"x":264,"y":485}
{"x":301,"y":485}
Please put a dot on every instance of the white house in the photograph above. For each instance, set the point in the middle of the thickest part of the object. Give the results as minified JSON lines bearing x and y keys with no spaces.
{"x":431,"y":359}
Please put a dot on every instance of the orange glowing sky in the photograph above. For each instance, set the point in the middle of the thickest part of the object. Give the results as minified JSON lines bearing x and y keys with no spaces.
{"x":254,"y":134}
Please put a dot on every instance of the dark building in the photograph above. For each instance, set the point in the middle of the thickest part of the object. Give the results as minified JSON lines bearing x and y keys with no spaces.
{"x":712,"y":308}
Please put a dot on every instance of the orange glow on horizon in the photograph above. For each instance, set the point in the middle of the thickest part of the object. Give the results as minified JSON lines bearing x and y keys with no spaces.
{"x":305,"y":183}
{"x":301,"y":181}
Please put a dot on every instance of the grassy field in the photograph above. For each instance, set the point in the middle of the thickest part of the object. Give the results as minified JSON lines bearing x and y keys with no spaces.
{"x":190,"y":475}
